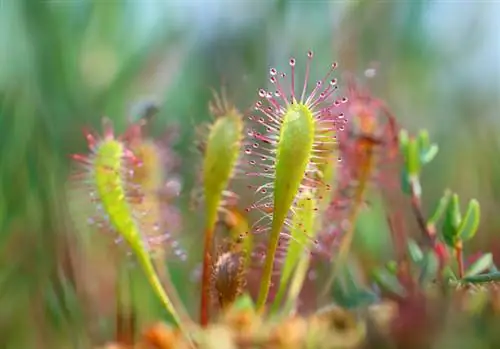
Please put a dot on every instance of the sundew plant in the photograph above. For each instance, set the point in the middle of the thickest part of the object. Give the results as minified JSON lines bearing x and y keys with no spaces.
{"x":309,"y":154}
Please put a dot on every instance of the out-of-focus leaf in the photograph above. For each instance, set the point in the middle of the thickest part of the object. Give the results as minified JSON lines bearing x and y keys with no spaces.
{"x":427,"y":150}
{"x":348,"y":293}
{"x":429,"y":155}
{"x":428,"y":268}
{"x":470,"y":222}
{"x":423,"y":140}
{"x":440,"y":208}
{"x":416,"y":253}
{"x":452,"y":221}
{"x":485,"y":262}
{"x":413,"y":163}
{"x":392,"y":266}
{"x":388,"y":281}
{"x":405,"y":182}
{"x":482,"y":278}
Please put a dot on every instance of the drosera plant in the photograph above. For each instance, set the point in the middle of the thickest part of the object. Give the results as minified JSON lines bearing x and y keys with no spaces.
{"x":108,"y":172}
{"x":293,"y":143}
{"x":296,"y":127}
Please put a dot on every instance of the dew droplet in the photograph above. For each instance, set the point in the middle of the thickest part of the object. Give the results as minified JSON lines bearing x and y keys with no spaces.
{"x":262,"y":93}
{"x":333,"y":82}
{"x":339,"y":159}
{"x":310,"y":54}
{"x":255,"y":145}
{"x":272,"y":79}
{"x":248,"y":151}
{"x":292,"y":62}
{"x":273,"y":71}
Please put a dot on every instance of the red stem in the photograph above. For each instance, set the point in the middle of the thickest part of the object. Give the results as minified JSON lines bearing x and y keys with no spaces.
{"x":205,"y":281}
{"x":429,"y":231}
{"x":460,"y":259}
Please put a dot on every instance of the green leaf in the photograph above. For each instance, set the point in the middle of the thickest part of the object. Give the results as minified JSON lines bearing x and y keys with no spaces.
{"x":452,"y":222}
{"x":347,"y":291}
{"x":485,"y":262}
{"x":388,"y":281}
{"x":413,"y":164}
{"x":429,"y":155}
{"x":427,"y":150}
{"x":428,"y":268}
{"x":482,"y":278}
{"x":469,"y":224}
{"x":440,"y":208}
{"x":449,"y":274}
{"x":416,"y":253}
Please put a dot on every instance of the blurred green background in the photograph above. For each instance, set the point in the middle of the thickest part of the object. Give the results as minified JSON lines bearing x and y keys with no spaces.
{"x":65,"y":64}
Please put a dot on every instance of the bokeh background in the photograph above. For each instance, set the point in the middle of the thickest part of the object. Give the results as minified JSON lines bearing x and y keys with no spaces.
{"x":65,"y":64}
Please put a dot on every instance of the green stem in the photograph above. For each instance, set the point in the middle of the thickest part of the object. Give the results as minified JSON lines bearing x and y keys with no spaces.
{"x":157,"y":286}
{"x":268,"y":266}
